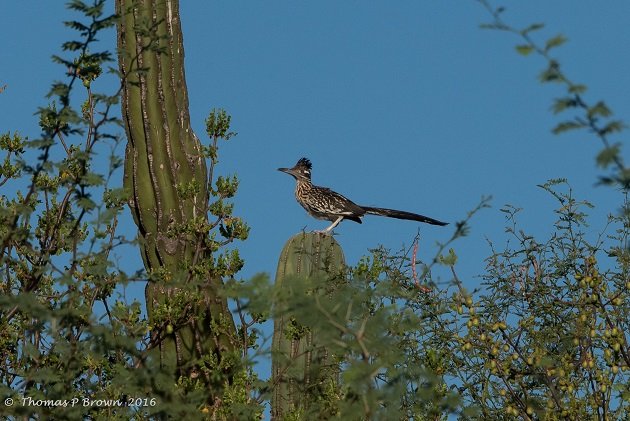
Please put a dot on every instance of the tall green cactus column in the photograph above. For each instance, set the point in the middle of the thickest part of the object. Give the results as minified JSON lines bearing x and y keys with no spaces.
{"x":301,"y":369}
{"x":167,"y":177}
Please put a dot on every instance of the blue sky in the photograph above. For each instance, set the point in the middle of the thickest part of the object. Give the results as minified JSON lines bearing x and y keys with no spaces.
{"x":404,"y":104}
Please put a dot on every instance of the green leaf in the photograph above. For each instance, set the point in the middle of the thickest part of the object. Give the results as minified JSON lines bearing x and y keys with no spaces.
{"x":532,"y":27}
{"x":449,"y":259}
{"x":599,"y":109}
{"x":577,"y":89}
{"x":93,"y":179}
{"x":77,"y":25}
{"x":72,"y":46}
{"x":77,"y":5}
{"x":556,"y":41}
{"x":552,"y":73}
{"x":566,"y":126}
{"x":493,"y":26}
{"x":613,"y":127}
{"x":86,"y":203}
{"x":607,"y":155}
{"x":561,"y":104}
{"x":524,"y":49}
{"x":624,"y":180}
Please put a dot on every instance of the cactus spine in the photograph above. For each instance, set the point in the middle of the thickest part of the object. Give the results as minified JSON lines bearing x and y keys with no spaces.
{"x":299,"y":366}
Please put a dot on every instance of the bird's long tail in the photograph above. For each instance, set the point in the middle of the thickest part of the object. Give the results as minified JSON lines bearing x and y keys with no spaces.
{"x":392,"y":213}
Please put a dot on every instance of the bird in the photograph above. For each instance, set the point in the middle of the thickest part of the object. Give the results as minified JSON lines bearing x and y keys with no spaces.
{"x":324,"y":203}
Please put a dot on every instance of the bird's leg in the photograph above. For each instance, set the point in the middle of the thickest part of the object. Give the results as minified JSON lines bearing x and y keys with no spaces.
{"x":330,"y":228}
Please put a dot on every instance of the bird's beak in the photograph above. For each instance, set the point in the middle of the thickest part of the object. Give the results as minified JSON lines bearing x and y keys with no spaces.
{"x":287,"y":170}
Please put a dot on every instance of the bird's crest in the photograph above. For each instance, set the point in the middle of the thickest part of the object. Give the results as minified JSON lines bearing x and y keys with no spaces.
{"x":304,"y":162}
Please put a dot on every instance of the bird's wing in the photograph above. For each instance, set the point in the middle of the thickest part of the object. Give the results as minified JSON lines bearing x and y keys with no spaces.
{"x":339,"y":204}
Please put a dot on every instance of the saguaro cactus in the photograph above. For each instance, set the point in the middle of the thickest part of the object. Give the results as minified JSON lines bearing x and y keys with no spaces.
{"x":166,"y":175}
{"x":299,"y":366}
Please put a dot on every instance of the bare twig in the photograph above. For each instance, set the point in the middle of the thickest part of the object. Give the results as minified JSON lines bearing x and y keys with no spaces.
{"x":414,"y":274}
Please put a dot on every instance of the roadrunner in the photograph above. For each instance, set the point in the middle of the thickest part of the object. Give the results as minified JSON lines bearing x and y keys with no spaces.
{"x":323,"y":203}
